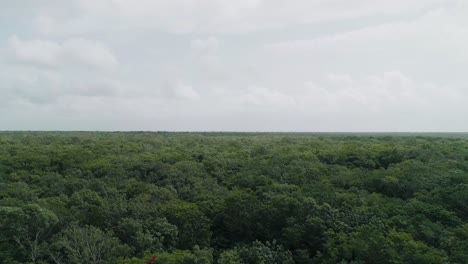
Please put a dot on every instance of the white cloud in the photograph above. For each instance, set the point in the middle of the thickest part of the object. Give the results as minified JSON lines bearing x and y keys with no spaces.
{"x":36,"y":51}
{"x":46,"y":86}
{"x":204,"y":46}
{"x":71,"y":51}
{"x":89,"y":52}
{"x":178,"y":90}
{"x":44,"y":24}
{"x":261,"y":96}
{"x":441,"y":33}
{"x":185,"y":91}
{"x":387,"y":93}
{"x":225,"y":16}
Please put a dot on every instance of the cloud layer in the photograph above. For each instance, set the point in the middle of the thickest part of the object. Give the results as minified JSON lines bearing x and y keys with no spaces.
{"x":249,"y":65}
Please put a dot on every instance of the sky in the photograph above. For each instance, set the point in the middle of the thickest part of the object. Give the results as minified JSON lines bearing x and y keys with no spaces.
{"x":244,"y":65}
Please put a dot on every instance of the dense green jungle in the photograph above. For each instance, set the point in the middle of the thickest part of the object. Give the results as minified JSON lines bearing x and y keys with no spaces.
{"x":160,"y":197}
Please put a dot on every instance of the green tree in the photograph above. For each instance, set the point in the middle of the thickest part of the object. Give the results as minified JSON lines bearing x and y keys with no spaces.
{"x":87,"y":245}
{"x":28,"y":226}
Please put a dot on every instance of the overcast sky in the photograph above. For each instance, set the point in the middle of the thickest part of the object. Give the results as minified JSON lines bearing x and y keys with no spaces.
{"x":243,"y":65}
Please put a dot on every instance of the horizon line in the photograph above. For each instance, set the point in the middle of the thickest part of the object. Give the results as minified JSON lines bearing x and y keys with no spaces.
{"x":237,"y":131}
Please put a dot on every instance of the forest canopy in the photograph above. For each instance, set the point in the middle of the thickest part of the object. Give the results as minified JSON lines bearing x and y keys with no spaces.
{"x":89,"y":197}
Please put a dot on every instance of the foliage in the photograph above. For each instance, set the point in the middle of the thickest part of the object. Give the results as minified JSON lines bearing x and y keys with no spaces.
{"x":84,"y":197}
